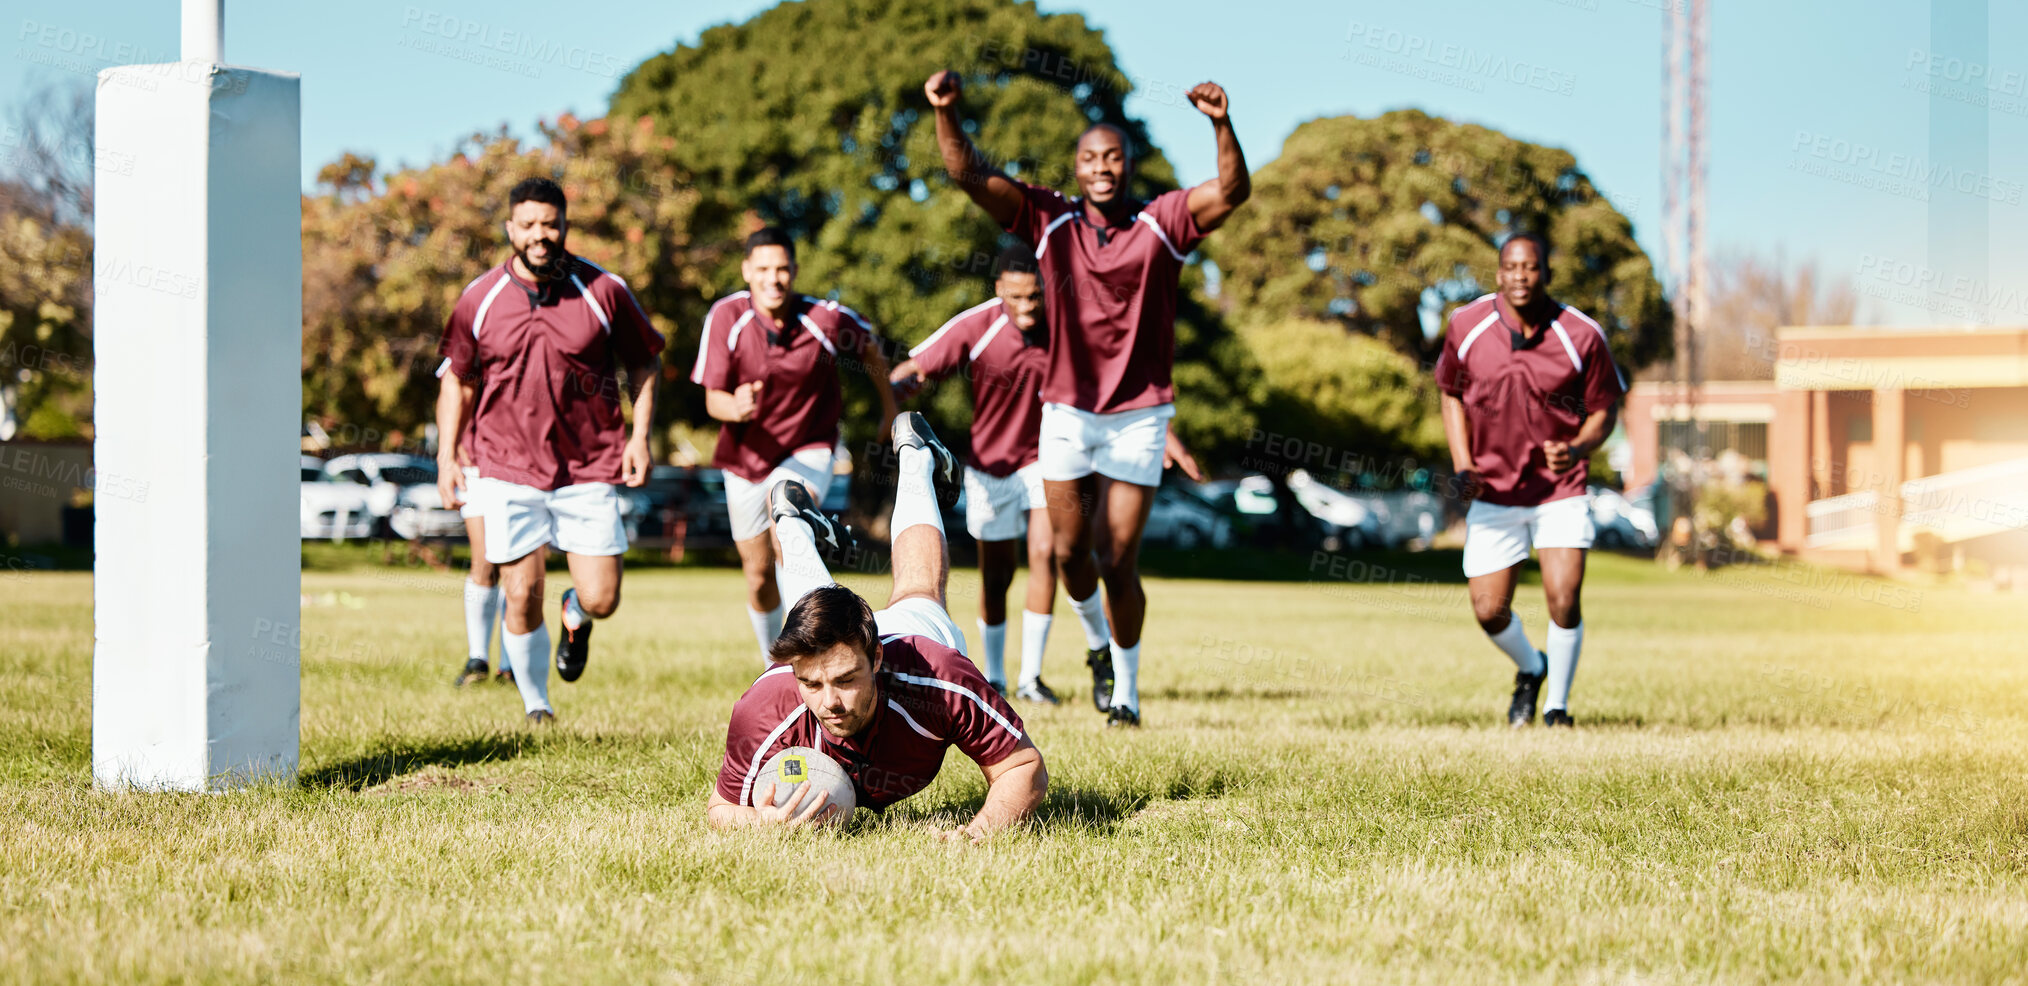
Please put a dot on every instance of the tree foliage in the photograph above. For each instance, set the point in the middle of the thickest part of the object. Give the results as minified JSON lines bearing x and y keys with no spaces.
{"x":386,"y":257}
{"x":1346,"y":392}
{"x":1386,"y":224}
{"x":46,"y":264}
{"x":811,"y":116}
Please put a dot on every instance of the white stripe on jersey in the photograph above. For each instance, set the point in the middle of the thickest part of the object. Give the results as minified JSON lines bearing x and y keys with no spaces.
{"x":1042,"y":242}
{"x":987,"y":339}
{"x":597,"y":309}
{"x":1595,"y":327}
{"x":1564,"y":337}
{"x":811,"y":325}
{"x":1476,"y":329}
{"x":487,"y":302}
{"x":1157,"y":227}
{"x":760,"y":753}
{"x":704,"y":337}
{"x":966,"y":692}
{"x":912,"y":724}
{"x":923,"y":346}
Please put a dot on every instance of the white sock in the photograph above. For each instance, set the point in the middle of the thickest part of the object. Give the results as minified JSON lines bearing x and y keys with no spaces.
{"x":1034,"y":637}
{"x":1091,"y":614}
{"x":994,"y":637}
{"x":573,"y":614}
{"x":767,"y":625}
{"x":1513,"y":641}
{"x":1564,"y":644}
{"x":799,"y":569}
{"x":915,"y":496}
{"x":482,"y":610}
{"x":528,"y":653}
{"x":1127,"y":676}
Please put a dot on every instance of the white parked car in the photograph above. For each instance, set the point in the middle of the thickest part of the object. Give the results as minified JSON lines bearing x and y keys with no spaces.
{"x":1350,"y":521}
{"x":1181,"y":519}
{"x":1624,"y":521}
{"x":401,"y":493}
{"x":332,"y":509}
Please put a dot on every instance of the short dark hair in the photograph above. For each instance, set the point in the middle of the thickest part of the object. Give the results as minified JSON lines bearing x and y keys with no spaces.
{"x":1541,"y":243}
{"x":771,"y":236}
{"x":1126,"y":139}
{"x":824,"y":618}
{"x":1016,"y":259}
{"x":538,"y":190}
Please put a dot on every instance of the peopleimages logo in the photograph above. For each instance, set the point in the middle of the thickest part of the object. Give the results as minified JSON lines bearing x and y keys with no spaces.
{"x":533,"y":48}
{"x":1906,"y":172}
{"x":1452,"y":64}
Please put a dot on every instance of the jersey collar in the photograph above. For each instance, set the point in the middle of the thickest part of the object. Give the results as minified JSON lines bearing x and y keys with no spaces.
{"x":1516,"y":339}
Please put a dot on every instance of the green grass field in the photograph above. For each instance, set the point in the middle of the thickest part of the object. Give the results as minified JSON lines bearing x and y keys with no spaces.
{"x":1779,"y":775}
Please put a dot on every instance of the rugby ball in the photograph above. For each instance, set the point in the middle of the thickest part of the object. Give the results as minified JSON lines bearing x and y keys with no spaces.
{"x":799,"y":765}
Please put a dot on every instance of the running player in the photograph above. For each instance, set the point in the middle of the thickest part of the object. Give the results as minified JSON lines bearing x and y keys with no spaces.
{"x":530,"y":351}
{"x":768,"y":361}
{"x":1003,"y":348}
{"x":1109,"y":268}
{"x":1529,"y":391}
{"x":885,"y":693}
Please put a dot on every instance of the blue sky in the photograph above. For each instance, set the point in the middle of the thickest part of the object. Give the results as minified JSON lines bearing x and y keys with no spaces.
{"x":1819,"y":118}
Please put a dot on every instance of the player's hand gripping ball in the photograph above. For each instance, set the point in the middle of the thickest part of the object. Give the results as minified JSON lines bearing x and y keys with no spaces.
{"x":801,"y":766}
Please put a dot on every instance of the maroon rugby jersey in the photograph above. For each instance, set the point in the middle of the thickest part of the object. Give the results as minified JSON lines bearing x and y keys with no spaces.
{"x":1109,"y":297}
{"x":800,"y":400}
{"x":1520,"y":392}
{"x":931,"y":699}
{"x":1006,"y":370}
{"x":543,"y":357}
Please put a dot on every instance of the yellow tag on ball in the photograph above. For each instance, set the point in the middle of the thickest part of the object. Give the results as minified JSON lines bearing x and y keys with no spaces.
{"x":792,"y":770}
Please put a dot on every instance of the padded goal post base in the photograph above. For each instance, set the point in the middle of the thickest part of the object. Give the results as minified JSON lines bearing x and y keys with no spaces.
{"x":197,"y":345}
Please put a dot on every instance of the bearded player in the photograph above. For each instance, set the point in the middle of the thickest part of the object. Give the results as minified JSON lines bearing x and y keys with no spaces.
{"x":1003,"y":348}
{"x":1109,"y":265}
{"x":1529,"y":392}
{"x":769,"y":361}
{"x":884,"y":693}
{"x":530,"y":352}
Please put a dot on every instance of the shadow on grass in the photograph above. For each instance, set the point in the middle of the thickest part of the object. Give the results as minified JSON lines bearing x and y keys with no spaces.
{"x":398,"y":758}
{"x":1103,"y":811}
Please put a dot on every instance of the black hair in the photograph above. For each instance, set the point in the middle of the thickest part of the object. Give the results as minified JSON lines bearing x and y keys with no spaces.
{"x":771,"y":236}
{"x":1541,"y":244}
{"x":824,"y":618}
{"x":537,"y":190}
{"x":1016,"y":259}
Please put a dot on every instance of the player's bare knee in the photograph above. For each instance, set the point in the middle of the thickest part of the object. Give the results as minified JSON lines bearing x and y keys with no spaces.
{"x":599,"y":604}
{"x":1565,"y":609}
{"x":1492,"y":614}
{"x":485,"y":574}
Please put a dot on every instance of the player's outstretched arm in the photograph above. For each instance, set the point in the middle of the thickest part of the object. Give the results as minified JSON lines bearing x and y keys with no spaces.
{"x":794,"y":813}
{"x":454,"y":405}
{"x":1211,"y":202}
{"x":992,"y":190}
{"x":1014,"y":789}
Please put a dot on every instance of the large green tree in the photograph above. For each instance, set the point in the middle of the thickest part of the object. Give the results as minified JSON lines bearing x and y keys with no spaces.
{"x":811,"y":116}
{"x":1385,"y":225}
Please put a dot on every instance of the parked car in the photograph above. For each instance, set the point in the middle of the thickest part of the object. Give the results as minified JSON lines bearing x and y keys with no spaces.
{"x":1625,"y":521}
{"x":1350,"y":523}
{"x":1180,"y":518}
{"x":695,"y":498}
{"x":332,"y":510}
{"x":400,"y":485}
